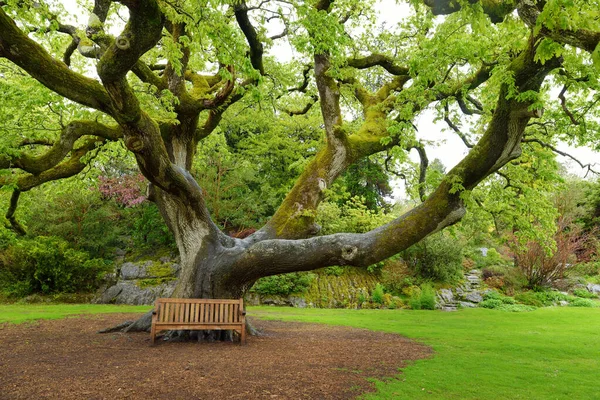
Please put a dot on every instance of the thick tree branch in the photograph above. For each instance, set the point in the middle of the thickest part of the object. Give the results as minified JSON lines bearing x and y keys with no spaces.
{"x":529,"y":11}
{"x":15,"y":225}
{"x":495,"y":9}
{"x":256,"y":46}
{"x":70,"y":167}
{"x":378,"y":59}
{"x":37,"y":164}
{"x":498,"y":145}
{"x":54,"y":74}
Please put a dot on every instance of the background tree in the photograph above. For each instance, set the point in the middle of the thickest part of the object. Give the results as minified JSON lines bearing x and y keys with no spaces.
{"x":151,"y":90}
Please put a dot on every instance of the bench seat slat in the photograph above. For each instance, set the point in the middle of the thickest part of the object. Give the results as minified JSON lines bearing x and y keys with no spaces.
{"x":198,"y":314}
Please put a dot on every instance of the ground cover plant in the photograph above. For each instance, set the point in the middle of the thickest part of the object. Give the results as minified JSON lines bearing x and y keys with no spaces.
{"x":481,"y":354}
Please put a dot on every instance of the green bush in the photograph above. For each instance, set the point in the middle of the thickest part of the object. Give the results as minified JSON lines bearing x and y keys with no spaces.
{"x":283,"y":285}
{"x":415,"y":301}
{"x":585,"y":269}
{"x":541,"y":299}
{"x":422,"y":298}
{"x":491,"y":303}
{"x":427,"y":297}
{"x":48,"y":265}
{"x":492,"y":259}
{"x":377,"y":294}
{"x":437,"y":258}
{"x":584,"y":294}
{"x":583,"y":303}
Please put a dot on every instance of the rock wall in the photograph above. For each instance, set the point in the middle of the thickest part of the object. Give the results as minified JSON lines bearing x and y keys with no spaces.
{"x":325,"y":291}
{"x":139,"y":283}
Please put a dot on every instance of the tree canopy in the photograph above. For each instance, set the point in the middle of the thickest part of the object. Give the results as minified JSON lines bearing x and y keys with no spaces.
{"x":184,"y":85}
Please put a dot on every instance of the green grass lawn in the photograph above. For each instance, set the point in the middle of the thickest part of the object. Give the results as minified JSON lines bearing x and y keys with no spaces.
{"x":550,"y":353}
{"x":18,"y":313}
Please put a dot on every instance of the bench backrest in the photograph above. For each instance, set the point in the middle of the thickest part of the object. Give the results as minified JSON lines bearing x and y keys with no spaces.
{"x":199,"y":311}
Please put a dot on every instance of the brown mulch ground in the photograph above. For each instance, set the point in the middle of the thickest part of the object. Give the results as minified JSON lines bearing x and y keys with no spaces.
{"x":67,"y":359}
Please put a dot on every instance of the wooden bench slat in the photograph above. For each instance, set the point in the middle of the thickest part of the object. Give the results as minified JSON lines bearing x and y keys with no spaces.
{"x":194,"y":314}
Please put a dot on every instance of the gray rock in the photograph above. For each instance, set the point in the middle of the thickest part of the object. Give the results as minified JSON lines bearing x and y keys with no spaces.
{"x":593,"y":288}
{"x":563,"y":303}
{"x":449,"y":308}
{"x":466,"y":304}
{"x":298,"y":302}
{"x":474,"y":297}
{"x":128,"y":292}
{"x":446,"y":295}
{"x":131,"y":271}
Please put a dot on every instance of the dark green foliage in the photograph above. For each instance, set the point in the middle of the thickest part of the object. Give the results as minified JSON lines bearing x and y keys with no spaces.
{"x":437,"y":258}
{"x":78,"y":215}
{"x":368,"y":180}
{"x":48,"y":265}
{"x":148,"y":229}
{"x":296,"y":282}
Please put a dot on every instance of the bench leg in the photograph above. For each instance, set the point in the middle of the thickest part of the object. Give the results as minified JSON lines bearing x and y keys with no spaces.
{"x":243,"y":335}
{"x":153,"y":334}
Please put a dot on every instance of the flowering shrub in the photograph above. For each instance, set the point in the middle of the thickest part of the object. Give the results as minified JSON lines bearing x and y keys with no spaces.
{"x":127,"y":190}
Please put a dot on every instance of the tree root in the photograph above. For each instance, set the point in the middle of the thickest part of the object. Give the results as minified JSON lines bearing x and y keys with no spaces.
{"x":144,"y":323}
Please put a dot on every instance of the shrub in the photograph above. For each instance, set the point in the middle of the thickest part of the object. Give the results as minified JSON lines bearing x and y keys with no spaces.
{"x":415,"y":302}
{"x":541,"y":299}
{"x":491,"y":303}
{"x":585,"y":269}
{"x":437,"y":258}
{"x":334,"y":271}
{"x":427,"y":297}
{"x":584,"y":294}
{"x":377,"y":294}
{"x":296,"y":282}
{"x":422,"y":298}
{"x":493,"y":271}
{"x":542,"y":266}
{"x":48,"y":265}
{"x":583,"y":303}
{"x":395,"y":276}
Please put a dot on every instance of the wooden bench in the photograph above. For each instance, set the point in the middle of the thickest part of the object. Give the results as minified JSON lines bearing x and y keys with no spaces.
{"x":196,"y":314}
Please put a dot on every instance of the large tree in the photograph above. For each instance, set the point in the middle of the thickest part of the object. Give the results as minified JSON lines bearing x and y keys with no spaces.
{"x":150,"y":86}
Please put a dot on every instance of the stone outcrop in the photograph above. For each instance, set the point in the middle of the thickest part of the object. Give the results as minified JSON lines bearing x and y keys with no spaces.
{"x":466,"y":295}
{"x":139,"y":283}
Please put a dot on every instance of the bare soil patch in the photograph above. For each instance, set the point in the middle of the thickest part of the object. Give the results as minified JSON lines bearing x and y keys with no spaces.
{"x":67,"y":359}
